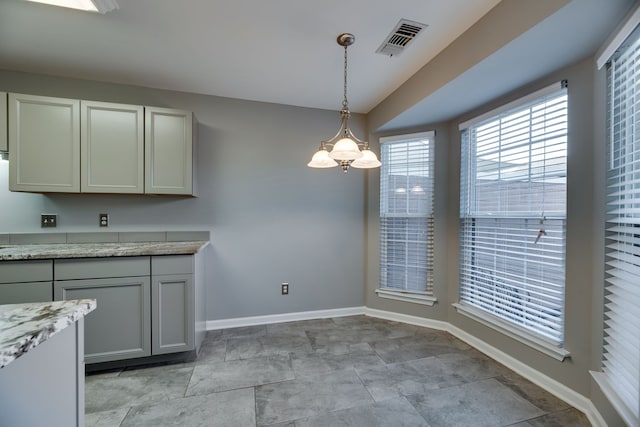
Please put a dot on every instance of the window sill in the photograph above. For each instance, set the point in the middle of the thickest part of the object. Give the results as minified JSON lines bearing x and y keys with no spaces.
{"x":415,"y":298}
{"x":610,"y":392}
{"x":512,"y":331}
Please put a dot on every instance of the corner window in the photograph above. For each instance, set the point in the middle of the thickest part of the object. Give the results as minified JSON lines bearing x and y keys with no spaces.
{"x":621,"y":351}
{"x":513,"y":218}
{"x":406,"y":217}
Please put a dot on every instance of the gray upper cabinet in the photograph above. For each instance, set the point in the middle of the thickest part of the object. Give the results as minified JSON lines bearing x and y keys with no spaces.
{"x":4,"y":144}
{"x":73,"y":146}
{"x":112,"y":148}
{"x":44,"y":144}
{"x":168,"y":151}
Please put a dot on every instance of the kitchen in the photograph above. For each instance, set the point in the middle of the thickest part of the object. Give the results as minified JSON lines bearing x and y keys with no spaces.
{"x":270,"y":219}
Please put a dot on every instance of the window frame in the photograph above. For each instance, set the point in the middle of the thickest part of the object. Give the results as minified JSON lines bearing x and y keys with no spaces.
{"x":620,"y":242}
{"x":413,"y":296}
{"x":552,"y":347}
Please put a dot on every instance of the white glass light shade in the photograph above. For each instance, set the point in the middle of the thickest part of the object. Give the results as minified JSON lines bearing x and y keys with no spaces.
{"x":367,"y":161}
{"x":100,"y":6}
{"x":321,"y":159}
{"x":345,"y":149}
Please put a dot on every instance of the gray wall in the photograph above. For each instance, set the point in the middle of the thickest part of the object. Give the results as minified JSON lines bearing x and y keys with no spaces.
{"x":271,"y":218}
{"x":578,"y":303}
{"x":584,"y":256}
{"x":585,"y":210}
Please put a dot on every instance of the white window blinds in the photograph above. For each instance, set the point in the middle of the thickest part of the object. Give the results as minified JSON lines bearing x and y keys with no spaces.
{"x":406,"y":213}
{"x":513,"y":213}
{"x":621,"y":353}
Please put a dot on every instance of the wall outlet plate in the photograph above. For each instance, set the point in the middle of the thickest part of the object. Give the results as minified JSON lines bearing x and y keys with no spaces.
{"x":285,"y":289}
{"x":48,"y":220}
{"x":103,"y":220}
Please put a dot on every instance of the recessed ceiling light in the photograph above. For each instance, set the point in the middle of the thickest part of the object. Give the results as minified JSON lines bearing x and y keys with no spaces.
{"x":100,"y":6}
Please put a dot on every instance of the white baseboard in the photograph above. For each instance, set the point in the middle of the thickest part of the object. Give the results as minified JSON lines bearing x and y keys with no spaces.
{"x":285,"y":317}
{"x":405,"y":318}
{"x":554,"y":387}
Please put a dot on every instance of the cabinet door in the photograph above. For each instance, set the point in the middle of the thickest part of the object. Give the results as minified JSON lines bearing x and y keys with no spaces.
{"x":44,"y":144}
{"x":19,"y":293}
{"x":173,"y":315}
{"x":112,"y":148}
{"x":168,"y":151}
{"x":4,"y":145}
{"x":119,"y":327}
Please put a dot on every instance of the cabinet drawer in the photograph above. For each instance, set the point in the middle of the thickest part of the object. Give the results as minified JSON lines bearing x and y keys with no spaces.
{"x":19,"y":293}
{"x":26,"y":271}
{"x":171,"y":264}
{"x":92,"y":268}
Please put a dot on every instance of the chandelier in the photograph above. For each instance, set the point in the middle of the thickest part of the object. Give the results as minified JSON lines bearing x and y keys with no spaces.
{"x":345,"y":148}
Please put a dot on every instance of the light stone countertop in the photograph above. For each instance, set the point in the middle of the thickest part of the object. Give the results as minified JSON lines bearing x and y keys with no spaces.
{"x":97,"y":250}
{"x":24,"y":326}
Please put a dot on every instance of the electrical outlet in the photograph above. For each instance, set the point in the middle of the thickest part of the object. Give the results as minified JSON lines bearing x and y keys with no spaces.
{"x":48,"y":220}
{"x":285,"y":288}
{"x":103,"y":220}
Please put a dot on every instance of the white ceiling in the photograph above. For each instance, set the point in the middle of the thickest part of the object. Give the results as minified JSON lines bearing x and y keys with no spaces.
{"x":284,"y":51}
{"x":281,"y":51}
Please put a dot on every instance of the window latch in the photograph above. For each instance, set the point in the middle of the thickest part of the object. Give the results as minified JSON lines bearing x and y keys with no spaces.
{"x":541,"y":232}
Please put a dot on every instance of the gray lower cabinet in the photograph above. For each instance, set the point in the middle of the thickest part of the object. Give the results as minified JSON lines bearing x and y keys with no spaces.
{"x":120,"y":327}
{"x":45,"y":386}
{"x":26,"y":281}
{"x":172,"y":296}
{"x":145,"y":305}
{"x":172,"y":318}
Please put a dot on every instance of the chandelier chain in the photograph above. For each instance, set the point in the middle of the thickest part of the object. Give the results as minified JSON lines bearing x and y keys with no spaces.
{"x":345,"y":103}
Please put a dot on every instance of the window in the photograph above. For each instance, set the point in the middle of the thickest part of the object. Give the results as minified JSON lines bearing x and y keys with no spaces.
{"x":621,"y":352}
{"x":406,"y":217}
{"x":513,"y":218}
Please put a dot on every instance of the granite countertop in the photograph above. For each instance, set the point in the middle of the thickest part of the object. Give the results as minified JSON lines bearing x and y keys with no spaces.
{"x":25,"y":326}
{"x":97,"y":250}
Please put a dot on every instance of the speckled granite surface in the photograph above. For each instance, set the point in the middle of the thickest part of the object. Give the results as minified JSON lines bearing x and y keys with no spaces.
{"x":24,"y":326}
{"x":91,"y":250}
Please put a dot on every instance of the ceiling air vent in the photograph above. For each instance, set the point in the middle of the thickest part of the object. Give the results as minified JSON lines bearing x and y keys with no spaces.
{"x":400,"y":37}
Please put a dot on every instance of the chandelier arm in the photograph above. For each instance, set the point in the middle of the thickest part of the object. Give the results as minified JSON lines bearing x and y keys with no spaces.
{"x":343,"y":131}
{"x":331,"y":141}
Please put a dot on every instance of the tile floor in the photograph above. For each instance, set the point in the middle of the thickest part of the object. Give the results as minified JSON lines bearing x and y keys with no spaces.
{"x":346,"y":371}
